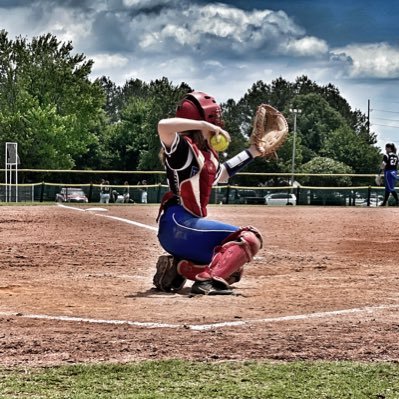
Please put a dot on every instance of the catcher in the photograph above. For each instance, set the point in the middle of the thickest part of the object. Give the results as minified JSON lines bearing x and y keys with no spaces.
{"x":210,"y":253}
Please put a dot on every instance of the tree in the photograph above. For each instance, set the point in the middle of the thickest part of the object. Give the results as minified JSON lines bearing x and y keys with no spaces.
{"x":48,"y":105}
{"x":131,"y":141}
{"x":113,"y":102}
{"x":346,"y":146}
{"x":282,"y":92}
{"x":127,"y":138}
{"x":233,"y":124}
{"x":323,"y":165}
{"x":316,"y":121}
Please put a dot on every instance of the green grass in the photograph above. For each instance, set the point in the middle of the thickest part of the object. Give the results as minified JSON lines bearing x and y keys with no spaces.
{"x":192,"y":380}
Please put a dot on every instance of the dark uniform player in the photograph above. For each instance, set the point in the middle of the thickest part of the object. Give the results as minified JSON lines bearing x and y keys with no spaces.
{"x":390,"y":165}
{"x":210,"y":253}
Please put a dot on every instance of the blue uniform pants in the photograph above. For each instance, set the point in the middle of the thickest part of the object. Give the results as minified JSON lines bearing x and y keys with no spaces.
{"x":189,"y":237}
{"x":390,"y":177}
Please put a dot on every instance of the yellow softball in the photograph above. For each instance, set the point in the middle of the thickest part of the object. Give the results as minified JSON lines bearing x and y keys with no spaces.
{"x":219,"y":143}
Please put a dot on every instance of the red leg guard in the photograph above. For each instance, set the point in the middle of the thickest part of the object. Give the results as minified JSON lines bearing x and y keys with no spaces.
{"x":189,"y":270}
{"x":232,"y":255}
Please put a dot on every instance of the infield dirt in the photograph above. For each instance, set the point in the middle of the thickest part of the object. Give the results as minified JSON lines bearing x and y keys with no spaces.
{"x":76,"y":285}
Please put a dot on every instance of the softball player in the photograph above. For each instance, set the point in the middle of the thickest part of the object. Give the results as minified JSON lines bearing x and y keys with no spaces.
{"x":389,"y":166}
{"x":210,"y":253}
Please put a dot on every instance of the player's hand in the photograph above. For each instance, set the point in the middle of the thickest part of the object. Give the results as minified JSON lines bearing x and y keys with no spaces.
{"x":214,"y":130}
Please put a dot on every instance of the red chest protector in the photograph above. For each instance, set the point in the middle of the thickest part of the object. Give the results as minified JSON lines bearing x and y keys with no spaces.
{"x":195,"y":191}
{"x":191,"y":184}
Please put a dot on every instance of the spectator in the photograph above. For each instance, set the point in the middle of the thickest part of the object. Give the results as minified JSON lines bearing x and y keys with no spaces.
{"x":105,"y":192}
{"x":144,"y":194}
{"x":126,"y":192}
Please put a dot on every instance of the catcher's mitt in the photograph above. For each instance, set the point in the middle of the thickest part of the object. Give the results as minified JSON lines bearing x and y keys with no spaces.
{"x":167,"y":278}
{"x":270,"y":130}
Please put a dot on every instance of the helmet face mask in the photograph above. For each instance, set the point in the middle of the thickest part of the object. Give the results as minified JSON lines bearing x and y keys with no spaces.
{"x":200,"y":106}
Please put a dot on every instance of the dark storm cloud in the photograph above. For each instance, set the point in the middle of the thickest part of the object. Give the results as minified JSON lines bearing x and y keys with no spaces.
{"x":111,"y":33}
{"x":155,"y":27}
{"x":80,"y":4}
{"x":13,"y":3}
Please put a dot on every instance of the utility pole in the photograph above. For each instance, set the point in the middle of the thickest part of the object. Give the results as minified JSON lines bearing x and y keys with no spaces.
{"x":368,"y":117}
{"x":295,"y":111}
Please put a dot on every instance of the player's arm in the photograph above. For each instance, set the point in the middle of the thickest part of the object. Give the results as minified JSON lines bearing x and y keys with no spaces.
{"x":378,"y":178}
{"x":383,"y":164}
{"x":168,"y":128}
{"x":237,"y":163}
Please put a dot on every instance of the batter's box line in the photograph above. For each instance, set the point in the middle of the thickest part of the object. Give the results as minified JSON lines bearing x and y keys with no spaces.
{"x":202,"y":327}
{"x":119,"y":219}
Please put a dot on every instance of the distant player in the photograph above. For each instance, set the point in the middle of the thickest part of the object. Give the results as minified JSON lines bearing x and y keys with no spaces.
{"x":389,"y":166}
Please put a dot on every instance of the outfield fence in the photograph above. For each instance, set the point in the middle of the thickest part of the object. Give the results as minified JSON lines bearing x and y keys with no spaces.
{"x":245,"y":188}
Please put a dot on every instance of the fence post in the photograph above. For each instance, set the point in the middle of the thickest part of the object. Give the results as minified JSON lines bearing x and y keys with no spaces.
{"x":227,"y":194}
{"x":42,"y":192}
{"x":90,"y":191}
{"x":368,"y":195}
{"x":159,"y":193}
{"x":298,"y":189}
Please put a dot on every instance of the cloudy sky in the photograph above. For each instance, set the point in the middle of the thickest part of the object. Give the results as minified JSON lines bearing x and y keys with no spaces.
{"x":224,"y":47}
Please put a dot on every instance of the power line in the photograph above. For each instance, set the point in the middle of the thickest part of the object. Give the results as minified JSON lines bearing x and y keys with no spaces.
{"x":381,"y":110}
{"x":385,"y":119}
{"x":377,"y":124}
{"x":385,"y":101}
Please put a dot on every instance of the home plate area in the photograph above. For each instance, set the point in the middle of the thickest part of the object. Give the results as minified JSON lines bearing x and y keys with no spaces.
{"x":76,"y":286}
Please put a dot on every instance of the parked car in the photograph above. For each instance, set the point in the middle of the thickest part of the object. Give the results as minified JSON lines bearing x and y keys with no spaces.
{"x":71,"y":194}
{"x":327,"y":198}
{"x":241,"y":196}
{"x":280,"y":199}
{"x":374,"y":201}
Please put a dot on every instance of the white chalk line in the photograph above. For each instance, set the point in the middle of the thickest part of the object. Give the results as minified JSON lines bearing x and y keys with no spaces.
{"x":146,"y":226}
{"x":202,"y":327}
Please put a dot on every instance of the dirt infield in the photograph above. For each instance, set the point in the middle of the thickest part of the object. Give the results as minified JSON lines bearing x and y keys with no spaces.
{"x":76,"y":286}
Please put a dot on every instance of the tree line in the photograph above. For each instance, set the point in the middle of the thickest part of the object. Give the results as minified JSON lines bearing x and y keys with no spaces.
{"x":63,"y":120}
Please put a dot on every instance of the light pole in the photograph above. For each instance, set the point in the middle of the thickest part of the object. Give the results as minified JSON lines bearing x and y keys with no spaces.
{"x":295,"y":111}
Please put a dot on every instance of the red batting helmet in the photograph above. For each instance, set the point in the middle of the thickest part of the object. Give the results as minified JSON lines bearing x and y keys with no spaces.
{"x":200,"y":106}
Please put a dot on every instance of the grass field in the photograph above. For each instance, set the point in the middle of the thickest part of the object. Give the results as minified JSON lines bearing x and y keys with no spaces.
{"x":178,"y":379}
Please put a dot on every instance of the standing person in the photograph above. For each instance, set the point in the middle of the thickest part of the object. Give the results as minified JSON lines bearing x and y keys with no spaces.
{"x":126,"y":192}
{"x":144,"y":193}
{"x":210,"y":253}
{"x":389,"y":166}
{"x":101,"y":190}
{"x":105,"y":192}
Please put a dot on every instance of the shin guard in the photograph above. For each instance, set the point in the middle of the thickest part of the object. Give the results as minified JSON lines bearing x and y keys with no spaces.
{"x":229,"y":258}
{"x":190,"y":270}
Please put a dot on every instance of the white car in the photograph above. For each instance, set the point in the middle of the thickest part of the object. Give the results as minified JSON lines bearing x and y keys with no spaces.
{"x":280,"y":199}
{"x":373,"y":201}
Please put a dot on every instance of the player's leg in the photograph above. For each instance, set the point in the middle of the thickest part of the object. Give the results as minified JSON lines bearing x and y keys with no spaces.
{"x":186,"y":237}
{"x":213,"y":253}
{"x":390,"y":181}
{"x":228,"y":262}
{"x":395,"y":195}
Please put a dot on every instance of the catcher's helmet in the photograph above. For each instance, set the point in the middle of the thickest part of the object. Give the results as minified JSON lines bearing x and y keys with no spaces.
{"x":200,"y":106}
